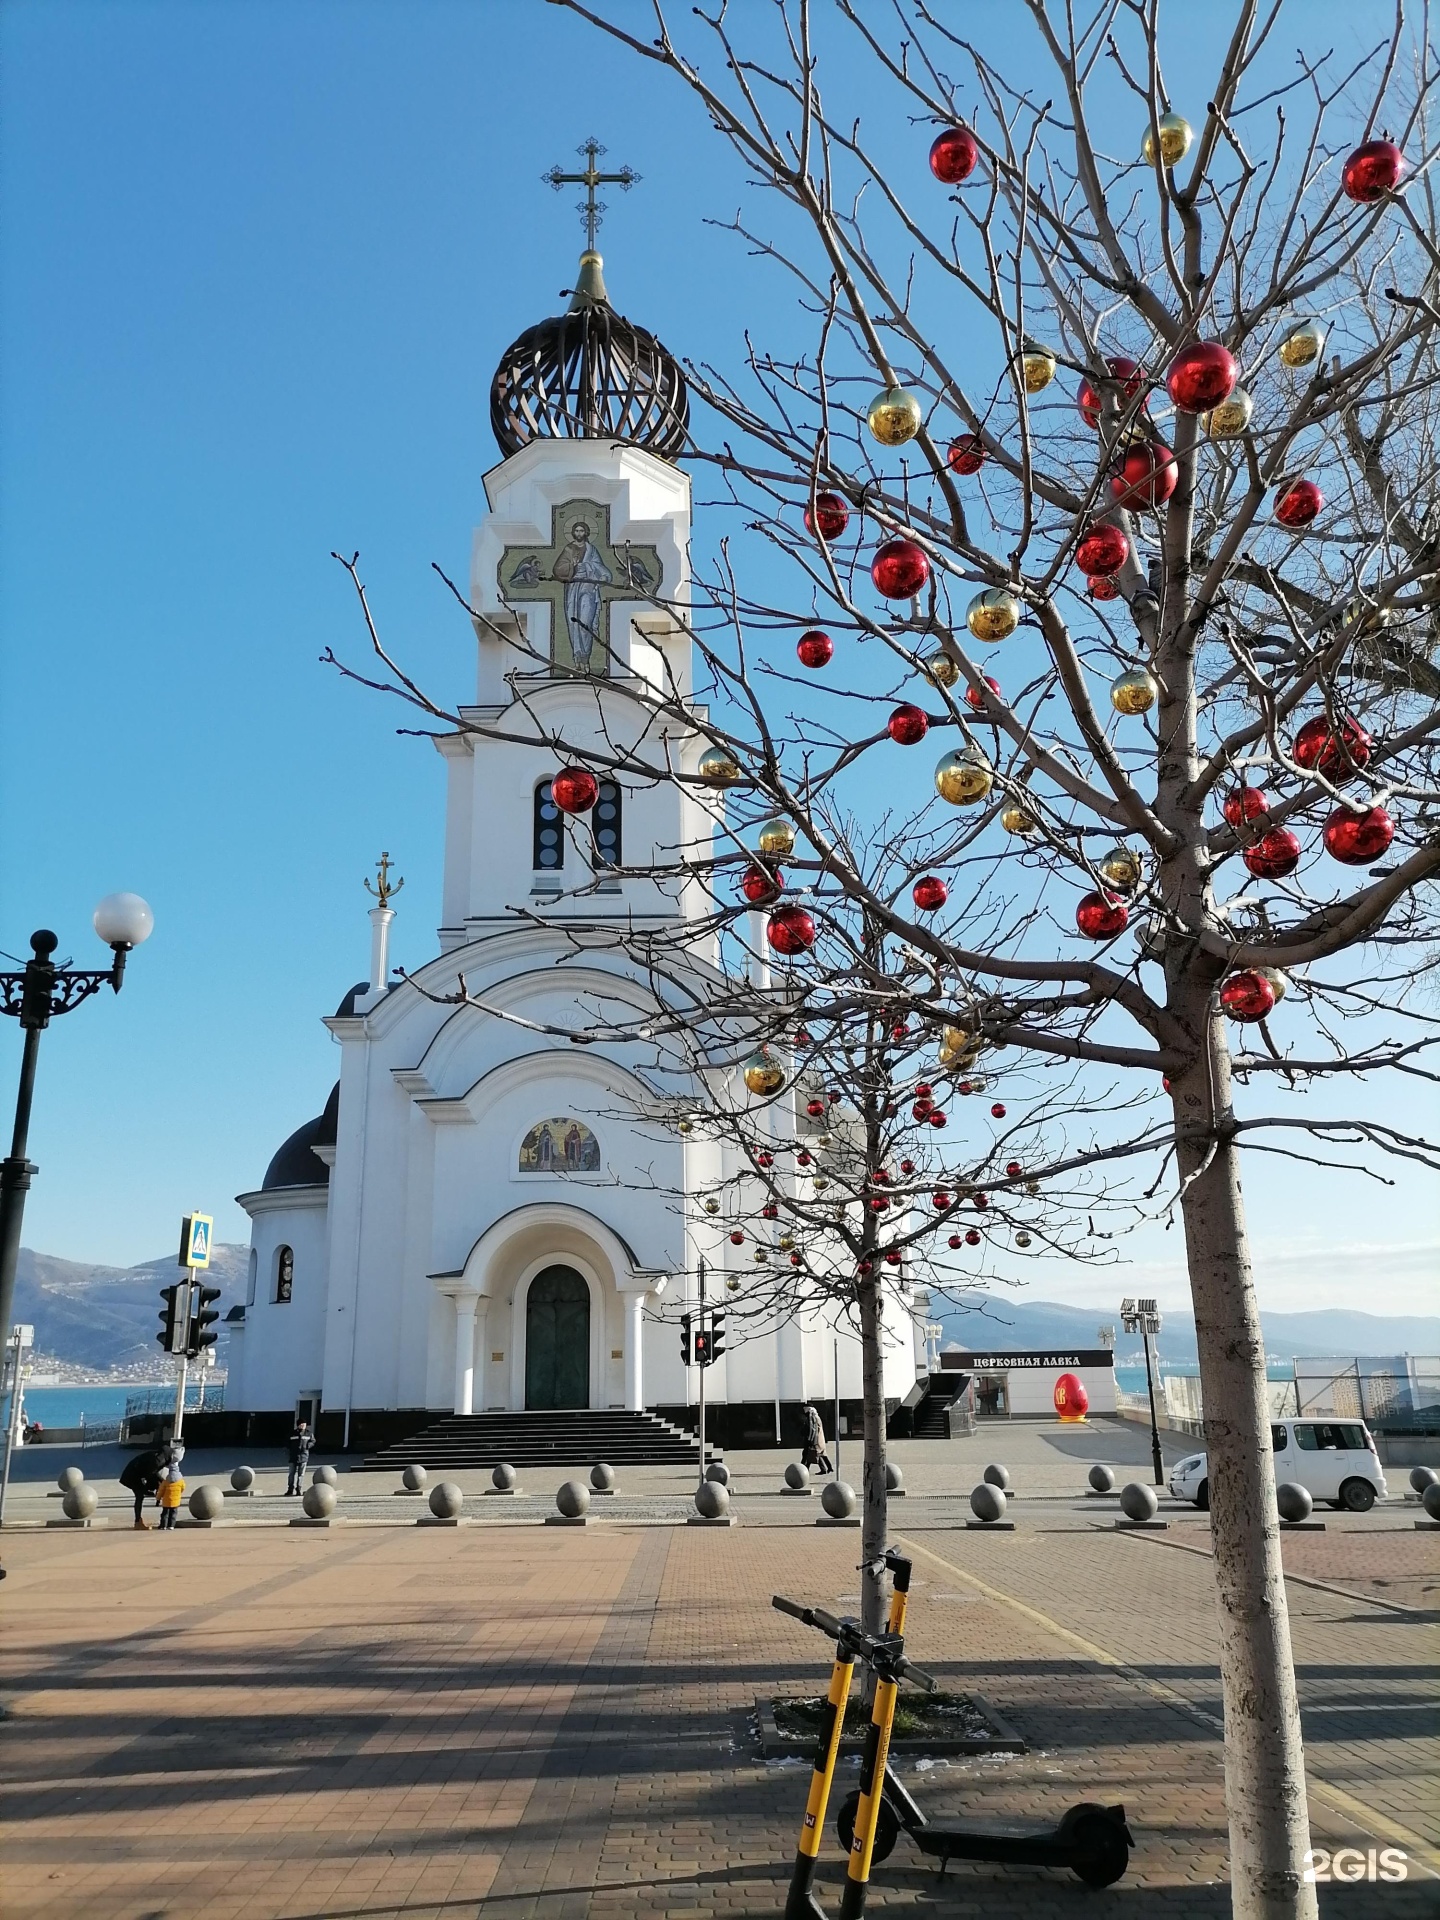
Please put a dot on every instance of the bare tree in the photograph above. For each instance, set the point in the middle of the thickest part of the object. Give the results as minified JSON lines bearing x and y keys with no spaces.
{"x":1109,"y":391}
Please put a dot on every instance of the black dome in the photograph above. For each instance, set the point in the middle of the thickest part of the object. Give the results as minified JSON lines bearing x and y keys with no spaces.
{"x":297,"y":1164}
{"x":346,"y":1007}
{"x":589,"y":375}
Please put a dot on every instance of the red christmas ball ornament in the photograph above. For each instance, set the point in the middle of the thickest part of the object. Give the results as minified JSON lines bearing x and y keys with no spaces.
{"x":764,"y":1159}
{"x":574,"y":790}
{"x":953,"y":155}
{"x":879,"y":1202}
{"x":1243,"y":804}
{"x":921,"y":1110}
{"x":791,"y":930}
{"x":967,"y":454}
{"x":907,"y":725}
{"x":900,"y":569}
{"x":1247,"y":995}
{"x":907,"y":1166}
{"x":737,"y":1239}
{"x":998,"y":1110}
{"x":1101,"y":587}
{"x":1072,"y":1402}
{"x":936,"y":1116}
{"x":769,"y":1211}
{"x":815,"y":1108}
{"x":829,"y":518}
{"x":1089,"y":401}
{"x":1103,"y":549}
{"x":929,"y":893}
{"x":981,"y":1202}
{"x":795,"y":1260}
{"x":1321,"y":748}
{"x":1201,"y":376}
{"x":815,"y":649}
{"x":803,"y":1158}
{"x":1274,"y":855}
{"x":924,"y":1091}
{"x":864,"y":1266}
{"x":972,"y":1238}
{"x":975,"y":700}
{"x":965,"y":1087}
{"x":1013,"y":1170}
{"x":955,"y":1241}
{"x":893,"y":1257}
{"x":1372,"y":171}
{"x":900,"y":1031}
{"x":1146,"y":476}
{"x":1101,"y":916}
{"x":940,"y":1201}
{"x":1355,"y":839}
{"x":833,"y":1098}
{"x":759,"y":884}
{"x":802,"y":1038}
{"x":1299,"y":504}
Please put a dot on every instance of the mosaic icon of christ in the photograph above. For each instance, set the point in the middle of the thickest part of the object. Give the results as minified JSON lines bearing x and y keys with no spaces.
{"x":579,"y":565}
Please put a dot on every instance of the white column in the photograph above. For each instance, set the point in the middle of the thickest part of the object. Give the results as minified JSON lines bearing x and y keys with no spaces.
{"x":634,"y":1333}
{"x":380,"y":918}
{"x":465,"y":1304}
{"x":482,"y":1356}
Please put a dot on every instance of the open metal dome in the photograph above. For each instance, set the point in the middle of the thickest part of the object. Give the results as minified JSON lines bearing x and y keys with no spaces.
{"x":590,"y":375}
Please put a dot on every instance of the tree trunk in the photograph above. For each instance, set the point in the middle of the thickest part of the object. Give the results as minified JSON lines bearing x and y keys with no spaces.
{"x":873,"y":1600}
{"x":1264,"y":1756}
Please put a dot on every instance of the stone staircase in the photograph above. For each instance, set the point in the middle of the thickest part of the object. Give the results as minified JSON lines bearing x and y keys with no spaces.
{"x":932,"y":1416}
{"x":571,"y":1438}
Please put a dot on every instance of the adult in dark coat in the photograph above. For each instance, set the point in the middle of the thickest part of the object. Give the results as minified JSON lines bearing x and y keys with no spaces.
{"x":141,"y":1476}
{"x":301,"y":1441}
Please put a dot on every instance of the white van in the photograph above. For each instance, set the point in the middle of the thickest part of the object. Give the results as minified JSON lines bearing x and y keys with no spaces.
{"x":1333,"y":1460}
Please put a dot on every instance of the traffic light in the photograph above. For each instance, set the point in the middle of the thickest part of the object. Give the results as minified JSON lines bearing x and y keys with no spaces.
{"x":685,"y":1339}
{"x":717,"y":1334}
{"x":174,"y":1331}
{"x":203,"y":1316}
{"x":703,"y":1354}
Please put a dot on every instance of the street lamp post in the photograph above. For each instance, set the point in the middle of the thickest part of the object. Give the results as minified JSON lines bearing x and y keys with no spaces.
{"x":1143,"y":1317}
{"x":35,"y":997}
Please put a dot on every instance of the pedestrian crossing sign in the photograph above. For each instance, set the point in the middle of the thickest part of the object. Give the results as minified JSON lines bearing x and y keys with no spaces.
{"x":196,"y":1230}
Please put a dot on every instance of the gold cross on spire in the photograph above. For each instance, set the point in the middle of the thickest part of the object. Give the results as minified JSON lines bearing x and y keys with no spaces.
{"x":590,"y":209}
{"x":382,"y":890}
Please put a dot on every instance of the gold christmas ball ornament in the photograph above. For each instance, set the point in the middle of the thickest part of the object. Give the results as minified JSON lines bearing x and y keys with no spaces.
{"x":1032,"y":1187}
{"x":824,"y":1140}
{"x":1134,"y":692}
{"x":777,"y":838}
{"x":893,"y":416}
{"x":1176,"y":133}
{"x":1037,"y":366}
{"x":760,"y":1256}
{"x":711,"y":1204}
{"x":684,"y":1126}
{"x":941,"y":670}
{"x":732,"y":1283}
{"x":1015,"y":820}
{"x":1022,"y":1240}
{"x":1279,"y":981}
{"x":820,"y":1182}
{"x":963,"y":777}
{"x":786,"y":1243}
{"x":1230,"y":419}
{"x":719,"y":768}
{"x":1122,"y":869}
{"x":993,"y":614}
{"x":1367,"y":619}
{"x":1303,"y":345}
{"x":764,"y":1073}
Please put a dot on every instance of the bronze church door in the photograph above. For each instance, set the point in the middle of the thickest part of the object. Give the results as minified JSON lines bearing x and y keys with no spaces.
{"x":557,"y":1340}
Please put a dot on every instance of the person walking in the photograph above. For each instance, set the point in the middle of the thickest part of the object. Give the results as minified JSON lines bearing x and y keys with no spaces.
{"x":814,"y":1454}
{"x":141,"y":1476}
{"x":301,"y":1441}
{"x":172,"y":1492}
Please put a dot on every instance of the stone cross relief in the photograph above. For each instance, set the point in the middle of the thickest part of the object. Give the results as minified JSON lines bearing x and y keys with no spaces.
{"x":578,"y":574}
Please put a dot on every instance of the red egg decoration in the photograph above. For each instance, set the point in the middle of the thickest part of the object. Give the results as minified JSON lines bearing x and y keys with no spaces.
{"x":759,"y":884}
{"x":1100,"y":916}
{"x":900,"y":569}
{"x":1274,"y":856}
{"x":791,"y":930}
{"x":907,"y":725}
{"x":1299,"y":504}
{"x":1072,"y":1402}
{"x":1201,"y":376}
{"x":815,"y":649}
{"x":966,"y":454}
{"x":1089,"y":400}
{"x":1355,"y":839}
{"x":1247,"y":995}
{"x":1372,"y":171}
{"x":975,"y":700}
{"x":929,"y":893}
{"x":574,"y":790}
{"x":1146,"y":476}
{"x":1103,"y":549}
{"x":953,"y":155}
{"x":1243,"y":804}
{"x":1321,"y":748}
{"x":1103,"y":587}
{"x":830,"y":517}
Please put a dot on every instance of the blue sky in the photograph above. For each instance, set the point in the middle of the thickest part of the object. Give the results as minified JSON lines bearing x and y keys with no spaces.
{"x":258,"y":263}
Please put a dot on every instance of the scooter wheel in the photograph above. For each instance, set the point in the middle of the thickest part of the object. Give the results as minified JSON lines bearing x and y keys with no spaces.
{"x":1098,"y":1843}
{"x":887,"y":1828}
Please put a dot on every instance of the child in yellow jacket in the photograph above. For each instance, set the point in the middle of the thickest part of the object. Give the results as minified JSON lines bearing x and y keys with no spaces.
{"x":172,"y":1492}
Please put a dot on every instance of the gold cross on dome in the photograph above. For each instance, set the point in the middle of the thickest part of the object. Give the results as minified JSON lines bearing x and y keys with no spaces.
{"x":590,"y":209}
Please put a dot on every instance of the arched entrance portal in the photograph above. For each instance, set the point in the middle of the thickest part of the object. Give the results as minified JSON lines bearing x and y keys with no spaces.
{"x":557,"y":1340}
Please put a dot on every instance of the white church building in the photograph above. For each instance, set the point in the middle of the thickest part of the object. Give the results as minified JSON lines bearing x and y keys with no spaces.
{"x":486,"y":1217}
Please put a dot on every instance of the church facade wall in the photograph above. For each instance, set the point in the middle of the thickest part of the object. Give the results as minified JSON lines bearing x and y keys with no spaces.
{"x":282,"y":1347}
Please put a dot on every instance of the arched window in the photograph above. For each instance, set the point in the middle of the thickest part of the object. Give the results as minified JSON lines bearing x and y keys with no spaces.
{"x":284,"y":1276}
{"x":607,"y":826}
{"x":251,"y":1277}
{"x":549,"y":832}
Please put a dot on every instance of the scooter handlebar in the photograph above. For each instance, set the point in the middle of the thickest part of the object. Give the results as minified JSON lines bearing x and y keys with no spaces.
{"x":917,"y":1676}
{"x":792,"y":1607}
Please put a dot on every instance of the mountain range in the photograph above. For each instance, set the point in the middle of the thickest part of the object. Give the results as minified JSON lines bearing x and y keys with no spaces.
{"x":106,"y":1318}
